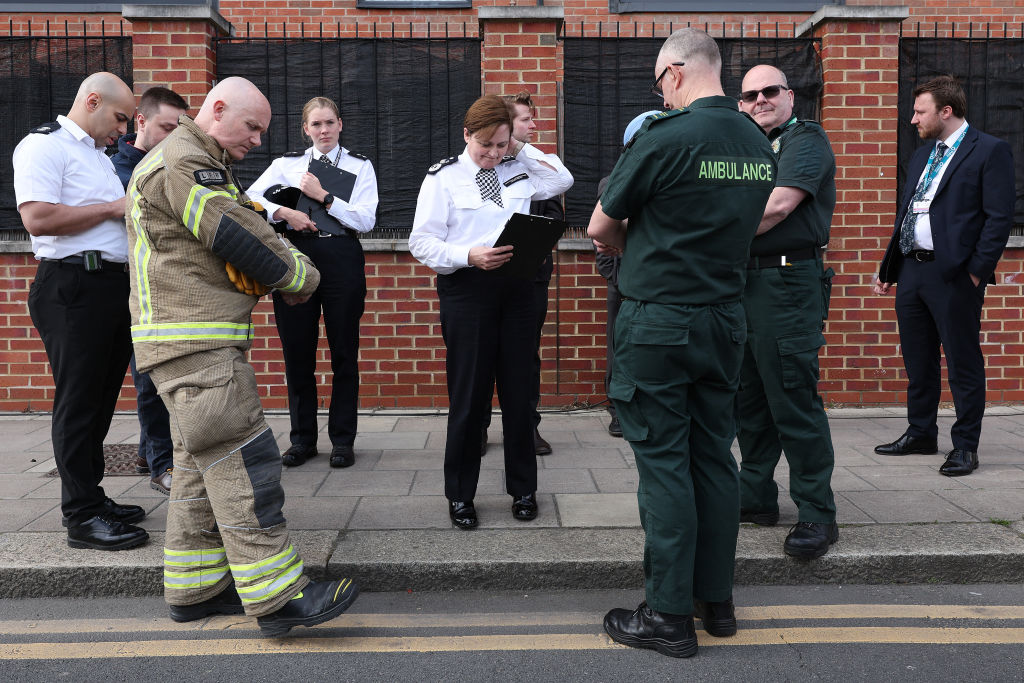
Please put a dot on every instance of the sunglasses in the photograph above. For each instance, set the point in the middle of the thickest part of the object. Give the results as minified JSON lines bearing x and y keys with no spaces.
{"x":769,"y":92}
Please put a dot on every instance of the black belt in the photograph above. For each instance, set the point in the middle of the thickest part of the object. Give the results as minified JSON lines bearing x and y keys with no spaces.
{"x":777,"y":260}
{"x":347,"y":232}
{"x":116,"y":266}
{"x":922,"y":255}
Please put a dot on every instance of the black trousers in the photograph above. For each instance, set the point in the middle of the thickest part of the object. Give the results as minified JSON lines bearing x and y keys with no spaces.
{"x":489,"y":327}
{"x":613,"y":304}
{"x":84,"y":322}
{"x":930,"y":312}
{"x":340,"y":297}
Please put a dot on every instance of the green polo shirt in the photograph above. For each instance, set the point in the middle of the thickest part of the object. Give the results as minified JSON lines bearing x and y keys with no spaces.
{"x":693,"y":183}
{"x":805,"y":162}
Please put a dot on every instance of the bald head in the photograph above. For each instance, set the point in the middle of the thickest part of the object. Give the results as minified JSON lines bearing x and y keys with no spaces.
{"x":766,"y":96}
{"x":694,"y":66}
{"x":235,"y":114}
{"x":103,"y":107}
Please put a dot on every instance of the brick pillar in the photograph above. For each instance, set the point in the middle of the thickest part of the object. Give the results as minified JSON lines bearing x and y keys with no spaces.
{"x":861,"y":362}
{"x":172,"y":46}
{"x":521,"y":52}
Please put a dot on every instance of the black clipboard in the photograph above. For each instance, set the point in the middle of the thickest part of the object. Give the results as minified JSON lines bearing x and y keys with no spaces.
{"x":532,"y":239}
{"x":338,"y":182}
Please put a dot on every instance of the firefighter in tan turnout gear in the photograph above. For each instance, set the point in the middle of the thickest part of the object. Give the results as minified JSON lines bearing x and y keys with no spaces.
{"x":201,"y":255}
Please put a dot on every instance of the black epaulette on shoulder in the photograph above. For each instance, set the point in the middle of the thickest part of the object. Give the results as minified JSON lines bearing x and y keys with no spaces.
{"x":294,"y":154}
{"x":46,"y":128}
{"x":507,"y":158}
{"x":441,"y":164}
{"x":357,"y":155}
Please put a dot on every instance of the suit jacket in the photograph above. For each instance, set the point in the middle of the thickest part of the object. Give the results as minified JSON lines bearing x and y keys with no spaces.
{"x":971,"y":214}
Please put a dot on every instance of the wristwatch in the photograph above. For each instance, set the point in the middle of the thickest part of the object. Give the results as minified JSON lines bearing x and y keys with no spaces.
{"x":328,"y":200}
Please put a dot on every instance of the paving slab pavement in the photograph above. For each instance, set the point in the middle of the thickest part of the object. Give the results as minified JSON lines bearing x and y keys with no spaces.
{"x":384,"y":521}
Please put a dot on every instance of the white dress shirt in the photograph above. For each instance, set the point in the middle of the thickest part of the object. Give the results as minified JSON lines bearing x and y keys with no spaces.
{"x":65,"y":167}
{"x":923,"y":227}
{"x":358,"y":213}
{"x":452,"y":217}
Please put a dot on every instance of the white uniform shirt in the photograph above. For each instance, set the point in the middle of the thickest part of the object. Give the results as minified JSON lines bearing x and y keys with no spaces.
{"x":65,"y":167}
{"x":452,"y":217}
{"x":923,"y":227}
{"x":358,"y":213}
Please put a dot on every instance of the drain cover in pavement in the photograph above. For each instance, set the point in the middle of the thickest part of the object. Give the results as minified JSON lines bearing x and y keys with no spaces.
{"x":118,"y":459}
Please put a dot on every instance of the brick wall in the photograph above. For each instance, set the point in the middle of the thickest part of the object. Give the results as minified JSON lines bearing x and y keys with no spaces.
{"x":402,"y":355}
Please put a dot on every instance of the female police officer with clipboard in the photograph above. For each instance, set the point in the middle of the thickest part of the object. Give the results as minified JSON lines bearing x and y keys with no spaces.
{"x":333,"y":246}
{"x":487,"y":319}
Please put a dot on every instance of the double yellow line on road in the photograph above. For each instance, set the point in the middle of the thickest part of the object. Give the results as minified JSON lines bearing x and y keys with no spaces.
{"x":747,"y":636}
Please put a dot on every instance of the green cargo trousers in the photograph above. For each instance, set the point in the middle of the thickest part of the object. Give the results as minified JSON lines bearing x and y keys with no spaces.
{"x":224,"y":518}
{"x":778,"y":408}
{"x":674,"y":383}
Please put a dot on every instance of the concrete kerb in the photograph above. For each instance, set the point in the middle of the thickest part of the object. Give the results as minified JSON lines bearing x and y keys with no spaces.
{"x":39,"y":564}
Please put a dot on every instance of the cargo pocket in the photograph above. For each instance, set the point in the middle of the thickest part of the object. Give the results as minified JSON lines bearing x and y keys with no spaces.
{"x":634,"y":425}
{"x":208,"y":408}
{"x":826,"y":291}
{"x":798,"y":354}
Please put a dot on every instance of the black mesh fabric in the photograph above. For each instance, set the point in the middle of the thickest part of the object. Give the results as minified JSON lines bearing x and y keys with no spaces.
{"x":991,"y":71}
{"x":402,"y":103}
{"x":39,"y":78}
{"x":608,"y":82}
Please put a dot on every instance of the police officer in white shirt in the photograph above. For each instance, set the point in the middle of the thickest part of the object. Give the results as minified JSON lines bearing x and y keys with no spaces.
{"x":487,"y":319}
{"x":338,"y":255}
{"x":72,"y":205}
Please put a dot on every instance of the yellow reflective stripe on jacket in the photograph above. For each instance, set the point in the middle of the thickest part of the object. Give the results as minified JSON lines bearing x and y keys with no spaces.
{"x":192,"y":216}
{"x":299,"y":279}
{"x":268,"y":589}
{"x":257,"y":569}
{"x":143,"y":249}
{"x":194,"y":558}
{"x":194,"y":331}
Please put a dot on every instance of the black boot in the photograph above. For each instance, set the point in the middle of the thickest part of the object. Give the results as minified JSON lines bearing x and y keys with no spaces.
{"x":718,"y":618}
{"x":669,"y":634}
{"x":316,"y":603}
{"x":225,"y":602}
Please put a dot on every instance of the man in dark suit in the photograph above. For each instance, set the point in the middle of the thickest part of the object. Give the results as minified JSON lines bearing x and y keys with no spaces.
{"x":953,"y":223}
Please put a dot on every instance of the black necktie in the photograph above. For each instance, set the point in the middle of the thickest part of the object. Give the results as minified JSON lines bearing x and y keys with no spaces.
{"x":910,"y":220}
{"x":487,"y":180}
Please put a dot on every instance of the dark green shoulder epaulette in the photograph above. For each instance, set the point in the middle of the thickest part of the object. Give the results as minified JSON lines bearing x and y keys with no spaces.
{"x":441,"y":164}
{"x":46,"y":128}
{"x":653,"y":119}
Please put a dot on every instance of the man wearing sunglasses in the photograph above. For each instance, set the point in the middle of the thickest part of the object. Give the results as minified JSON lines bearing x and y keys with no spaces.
{"x":778,"y":408}
{"x":693,"y":184}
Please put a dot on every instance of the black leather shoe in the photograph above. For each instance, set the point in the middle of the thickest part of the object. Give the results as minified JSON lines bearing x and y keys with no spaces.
{"x":342,"y":456}
{"x":907,"y":445}
{"x":810,"y":539}
{"x":463,"y":514}
{"x":126,"y":514}
{"x":669,"y":634}
{"x":483,"y":442}
{"x":540,"y":446}
{"x":225,"y":602}
{"x":103,"y":532}
{"x":162,"y":482}
{"x":524,"y":508}
{"x":615,"y":428}
{"x":959,"y":462}
{"x":318,"y":602}
{"x":141,"y":466}
{"x":297,"y":455}
{"x":718,"y":618}
{"x":769,"y":518}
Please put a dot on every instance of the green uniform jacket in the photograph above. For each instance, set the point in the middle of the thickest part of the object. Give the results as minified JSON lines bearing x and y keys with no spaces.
{"x":693,"y":183}
{"x":186,"y":219}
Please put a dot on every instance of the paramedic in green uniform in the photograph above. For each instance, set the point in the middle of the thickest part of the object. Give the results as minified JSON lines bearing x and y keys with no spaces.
{"x":692,"y":186}
{"x":778,"y":408}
